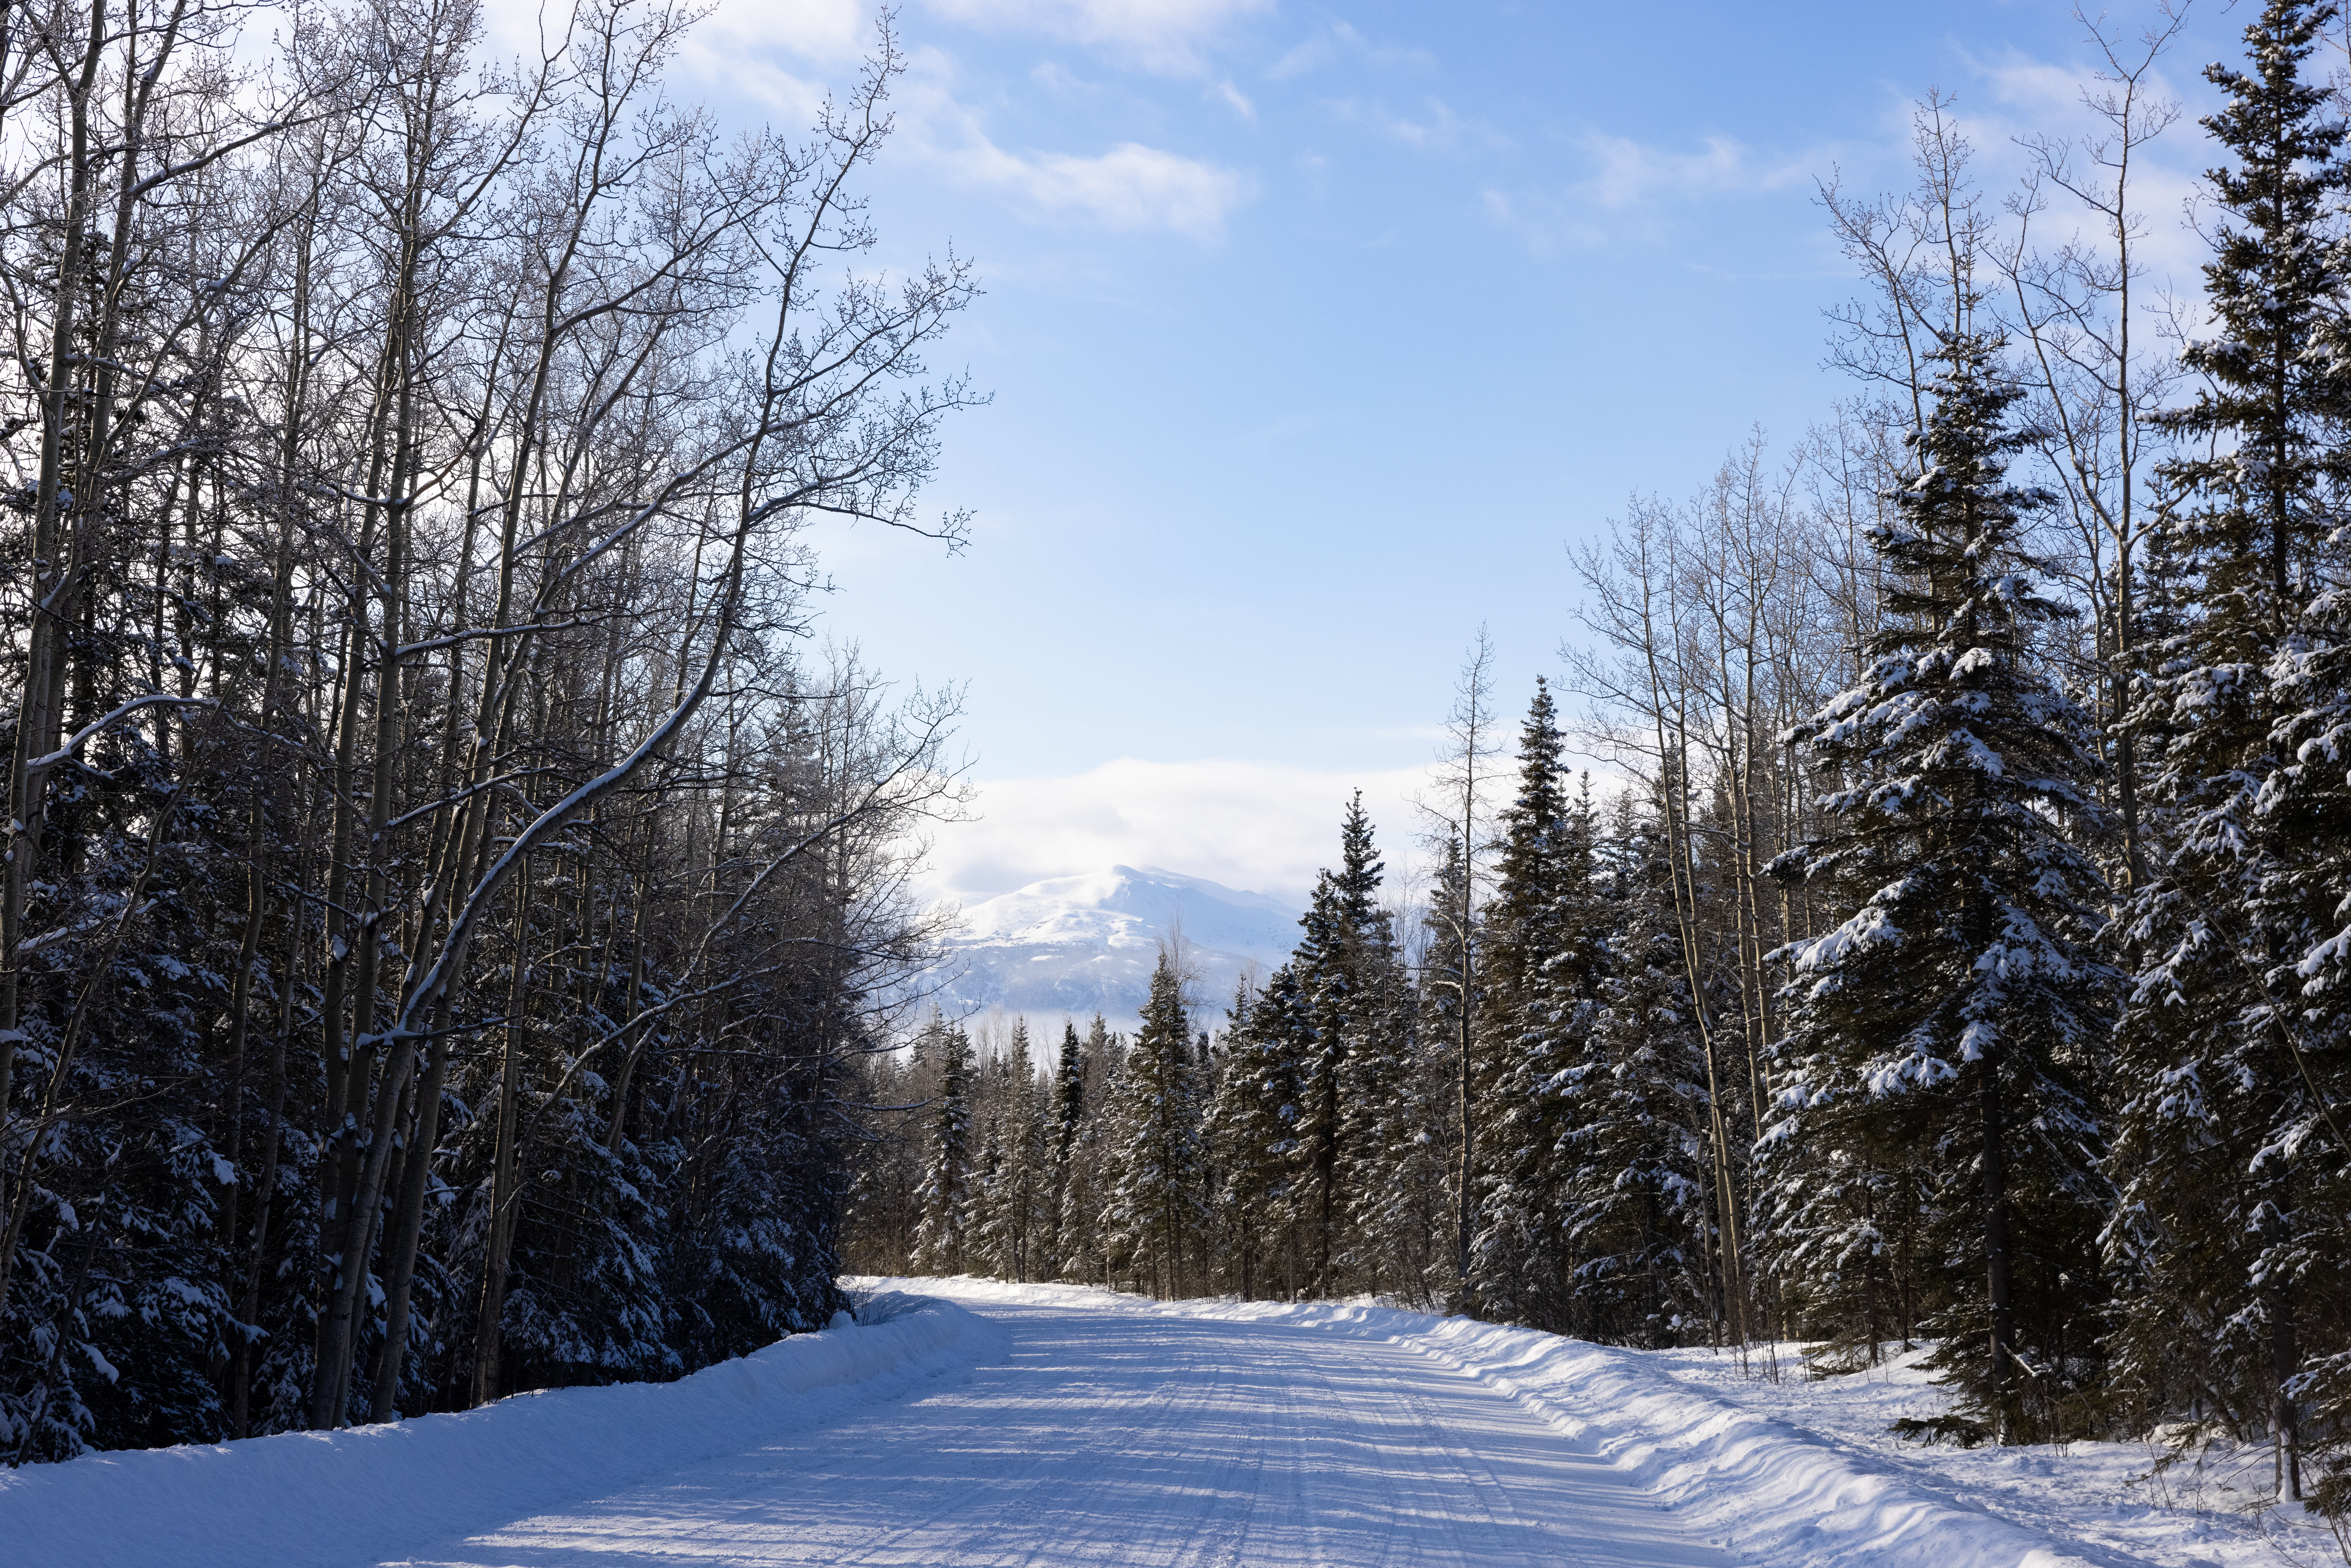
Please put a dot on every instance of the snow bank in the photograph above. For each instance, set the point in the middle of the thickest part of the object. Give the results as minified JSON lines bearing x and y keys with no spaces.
{"x":2215,"y":1508}
{"x":1772,"y":1494}
{"x":370,"y":1492}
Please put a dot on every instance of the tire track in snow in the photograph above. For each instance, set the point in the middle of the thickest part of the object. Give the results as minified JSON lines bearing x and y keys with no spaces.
{"x":1486,"y":1489}
{"x":1115,"y":1432}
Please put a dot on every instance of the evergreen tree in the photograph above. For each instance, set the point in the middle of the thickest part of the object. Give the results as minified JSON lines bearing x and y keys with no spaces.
{"x":1384,"y":1162}
{"x":884,"y":1206}
{"x":987,"y":1245}
{"x":2229,"y":1225}
{"x":1083,"y":1255}
{"x":1634,"y":1151}
{"x":1068,"y":1112}
{"x":1543,"y":959}
{"x":1157,"y":1203}
{"x":1020,"y":1211}
{"x":1338,"y":966}
{"x":939,"y":1240}
{"x":1956,"y":1007}
{"x":1448,"y":1001}
{"x":1252,"y":1130}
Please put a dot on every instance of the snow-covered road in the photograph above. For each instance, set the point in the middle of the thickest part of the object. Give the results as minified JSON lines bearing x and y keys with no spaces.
{"x":1110,"y":1434}
{"x":965,"y":1422}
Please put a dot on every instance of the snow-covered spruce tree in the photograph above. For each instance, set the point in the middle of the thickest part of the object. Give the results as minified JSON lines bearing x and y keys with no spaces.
{"x":990,"y":1220}
{"x":939,"y":1238}
{"x":1101,"y":1059}
{"x":1233,"y":1164}
{"x":1386,"y":1172}
{"x":1067,"y":1118}
{"x":1157,"y":1207}
{"x":983,"y":1252}
{"x":1956,"y":1006}
{"x":1338,"y":965}
{"x":1543,"y":959}
{"x":1383,"y":1244}
{"x":754,"y":1260}
{"x":1020,"y":1211}
{"x":1008,"y":1187}
{"x":1252,"y":1131}
{"x":1634,"y":1151}
{"x":2228,"y":1244}
{"x":583,"y":1302}
{"x":1447,"y":992}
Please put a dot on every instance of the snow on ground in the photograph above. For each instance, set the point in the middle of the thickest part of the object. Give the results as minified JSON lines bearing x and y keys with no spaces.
{"x":370,"y":1494}
{"x":1118,"y":1433}
{"x":1051,"y":1427}
{"x":2213,"y":1511}
{"x":1729,"y":1486}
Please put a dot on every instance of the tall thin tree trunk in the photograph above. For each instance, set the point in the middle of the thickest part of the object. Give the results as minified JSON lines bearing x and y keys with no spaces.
{"x":1996,"y":1258}
{"x":498,"y":1242}
{"x":57,"y":567}
{"x":407,"y":1226}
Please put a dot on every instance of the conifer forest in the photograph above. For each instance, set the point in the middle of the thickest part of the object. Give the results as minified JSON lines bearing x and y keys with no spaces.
{"x":459,"y":932}
{"x":1955,"y":946}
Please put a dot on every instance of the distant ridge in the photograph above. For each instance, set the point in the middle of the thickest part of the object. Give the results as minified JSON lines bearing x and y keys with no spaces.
{"x":1075,"y":946}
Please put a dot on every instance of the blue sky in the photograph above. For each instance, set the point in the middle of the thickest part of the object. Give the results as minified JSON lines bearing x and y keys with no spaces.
{"x":1316,"y":333}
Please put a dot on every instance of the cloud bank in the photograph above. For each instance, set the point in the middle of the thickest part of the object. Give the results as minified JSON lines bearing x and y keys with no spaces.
{"x":1260,"y":827}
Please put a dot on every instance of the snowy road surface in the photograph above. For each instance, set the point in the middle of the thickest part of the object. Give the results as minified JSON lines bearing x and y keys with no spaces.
{"x":1139,"y":1438}
{"x":963,"y":1422}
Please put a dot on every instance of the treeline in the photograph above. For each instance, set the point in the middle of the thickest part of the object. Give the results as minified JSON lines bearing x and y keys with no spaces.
{"x":1963,"y":954}
{"x":1311,"y":1145}
{"x":445,"y":895}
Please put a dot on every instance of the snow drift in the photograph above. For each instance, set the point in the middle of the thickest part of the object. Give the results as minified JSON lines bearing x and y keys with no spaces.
{"x":1771,"y":1493}
{"x":369,"y":1492}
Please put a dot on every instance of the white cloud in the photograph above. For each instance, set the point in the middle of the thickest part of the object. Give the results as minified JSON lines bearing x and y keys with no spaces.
{"x":1630,"y":189}
{"x":1057,"y":80}
{"x":1169,"y":36}
{"x":831,"y":31}
{"x":2043,"y":90}
{"x":1131,"y":188}
{"x":1337,"y":40}
{"x":787,"y":57}
{"x":1437,"y":130}
{"x":1629,"y":173}
{"x":1262,"y":827}
{"x":2024,"y":100}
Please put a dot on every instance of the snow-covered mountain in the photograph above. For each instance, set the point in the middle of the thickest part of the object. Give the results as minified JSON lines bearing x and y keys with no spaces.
{"x":1082,"y":945}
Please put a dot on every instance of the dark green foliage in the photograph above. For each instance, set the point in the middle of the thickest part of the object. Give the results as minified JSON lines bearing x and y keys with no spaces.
{"x":1544,"y":951}
{"x":1344,"y":967}
{"x":2228,"y":1244}
{"x":945,"y":1194}
{"x":1953,"y":1015}
{"x":1157,"y":1201}
{"x":1634,"y":1148}
{"x":1252,"y":1135}
{"x":1068,"y":1114}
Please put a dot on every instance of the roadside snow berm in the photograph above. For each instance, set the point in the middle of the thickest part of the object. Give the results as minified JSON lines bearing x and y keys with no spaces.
{"x":368,"y":1493}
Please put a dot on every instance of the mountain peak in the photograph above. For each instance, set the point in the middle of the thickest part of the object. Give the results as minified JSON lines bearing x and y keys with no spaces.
{"x":1087,"y":943}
